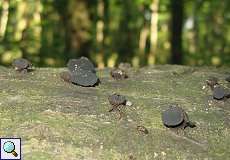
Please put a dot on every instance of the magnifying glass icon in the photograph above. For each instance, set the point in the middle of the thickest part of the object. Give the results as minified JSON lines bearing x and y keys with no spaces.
{"x":9,"y":147}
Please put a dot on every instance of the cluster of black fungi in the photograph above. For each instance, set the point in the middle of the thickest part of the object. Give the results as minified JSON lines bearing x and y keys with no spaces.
{"x":82,"y":72}
{"x":219,"y":91}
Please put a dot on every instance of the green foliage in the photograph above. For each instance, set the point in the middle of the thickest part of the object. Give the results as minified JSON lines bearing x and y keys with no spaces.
{"x":49,"y":32}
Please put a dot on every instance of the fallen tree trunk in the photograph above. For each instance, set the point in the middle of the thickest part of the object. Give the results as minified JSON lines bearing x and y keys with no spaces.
{"x":58,"y":120}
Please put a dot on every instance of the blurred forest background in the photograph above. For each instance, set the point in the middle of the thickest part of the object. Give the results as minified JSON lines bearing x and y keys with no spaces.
{"x":141,"y":32}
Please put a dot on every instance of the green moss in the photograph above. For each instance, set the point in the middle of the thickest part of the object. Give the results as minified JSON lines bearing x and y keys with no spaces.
{"x":58,"y":120}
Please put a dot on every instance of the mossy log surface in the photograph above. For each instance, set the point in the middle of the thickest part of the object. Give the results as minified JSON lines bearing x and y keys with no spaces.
{"x":58,"y":120}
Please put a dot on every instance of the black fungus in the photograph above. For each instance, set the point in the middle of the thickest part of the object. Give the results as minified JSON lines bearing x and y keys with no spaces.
{"x":82,"y":72}
{"x":218,"y":92}
{"x":117,"y":99}
{"x":21,"y":64}
{"x":173,"y":116}
{"x":83,"y":63}
{"x":142,"y":129}
{"x":84,"y":78}
{"x":176,"y":117}
{"x":212,"y":81}
{"x":118,"y":74}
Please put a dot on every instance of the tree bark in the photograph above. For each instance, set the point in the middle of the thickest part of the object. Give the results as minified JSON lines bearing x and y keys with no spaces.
{"x":58,"y":120}
{"x":100,"y":33}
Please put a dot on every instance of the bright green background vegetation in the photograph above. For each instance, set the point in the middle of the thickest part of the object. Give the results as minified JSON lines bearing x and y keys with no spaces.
{"x":49,"y":32}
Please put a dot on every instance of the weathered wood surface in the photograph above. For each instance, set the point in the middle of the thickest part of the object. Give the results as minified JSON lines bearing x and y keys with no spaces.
{"x":57,"y":120}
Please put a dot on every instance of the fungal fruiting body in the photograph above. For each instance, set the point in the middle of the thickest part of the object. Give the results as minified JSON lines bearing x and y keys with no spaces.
{"x":82,"y":72}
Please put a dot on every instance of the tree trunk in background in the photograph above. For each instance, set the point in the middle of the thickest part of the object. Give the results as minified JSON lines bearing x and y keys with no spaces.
{"x":75,"y":18}
{"x":196,"y":28}
{"x":100,"y":34}
{"x":153,"y":32}
{"x":4,"y":17}
{"x":128,"y":33}
{"x":144,"y":33}
{"x":177,"y":13}
{"x":106,"y":31}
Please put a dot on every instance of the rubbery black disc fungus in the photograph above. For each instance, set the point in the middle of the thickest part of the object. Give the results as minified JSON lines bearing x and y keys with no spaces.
{"x":84,"y":78}
{"x":118,"y":74}
{"x":173,"y":116}
{"x":82,"y":72}
{"x":21,"y":64}
{"x":176,"y":117}
{"x":117,"y":99}
{"x":218,"y":92}
{"x":83,"y":63}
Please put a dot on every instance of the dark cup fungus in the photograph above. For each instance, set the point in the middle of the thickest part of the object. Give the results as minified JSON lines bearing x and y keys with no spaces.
{"x":84,"y":78}
{"x":116,"y":100}
{"x":142,"y":129}
{"x":212,"y":82}
{"x":82,"y":72}
{"x":176,"y":117}
{"x":21,"y":65}
{"x":118,"y":74}
{"x":81,"y":64}
{"x":218,"y":92}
